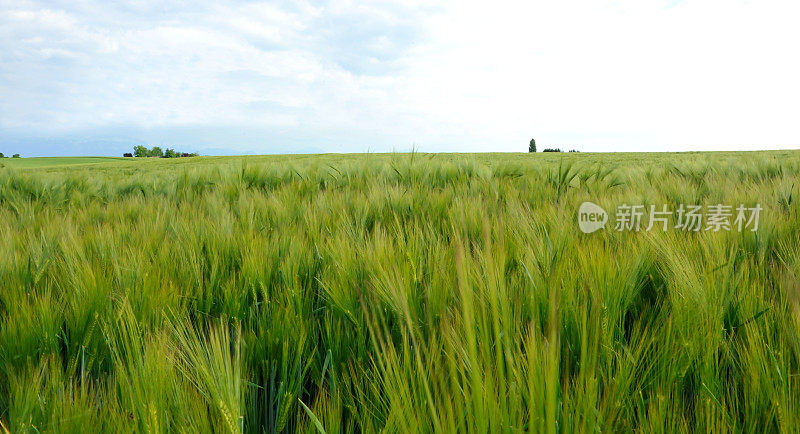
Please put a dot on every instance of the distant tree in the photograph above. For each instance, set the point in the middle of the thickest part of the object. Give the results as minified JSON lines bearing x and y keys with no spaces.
{"x":140,"y":151}
{"x":551,"y":150}
{"x":574,"y":150}
{"x":155,"y":151}
{"x":532,"y":146}
{"x":15,"y":156}
{"x":2,"y":156}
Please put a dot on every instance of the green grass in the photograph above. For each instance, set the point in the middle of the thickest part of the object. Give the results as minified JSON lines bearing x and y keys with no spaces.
{"x":42,"y":162}
{"x":395,"y":292}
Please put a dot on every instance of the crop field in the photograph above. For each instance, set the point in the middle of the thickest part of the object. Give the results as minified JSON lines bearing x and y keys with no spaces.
{"x":47,"y":162}
{"x":403,"y":292}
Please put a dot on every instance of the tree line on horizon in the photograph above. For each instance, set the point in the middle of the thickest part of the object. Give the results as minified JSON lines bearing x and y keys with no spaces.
{"x":156,"y":152}
{"x":532,"y":148}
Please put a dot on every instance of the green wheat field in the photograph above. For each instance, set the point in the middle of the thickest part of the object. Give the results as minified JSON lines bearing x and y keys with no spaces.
{"x":396,"y":293}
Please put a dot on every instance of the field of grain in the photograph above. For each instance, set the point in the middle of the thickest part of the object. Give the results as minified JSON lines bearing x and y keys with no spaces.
{"x":396,"y":292}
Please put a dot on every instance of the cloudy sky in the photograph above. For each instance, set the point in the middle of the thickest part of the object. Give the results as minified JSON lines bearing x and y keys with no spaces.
{"x":86,"y":77}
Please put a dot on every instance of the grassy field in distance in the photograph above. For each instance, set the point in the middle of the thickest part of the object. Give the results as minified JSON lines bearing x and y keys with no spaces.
{"x":396,"y":292}
{"x":42,"y":162}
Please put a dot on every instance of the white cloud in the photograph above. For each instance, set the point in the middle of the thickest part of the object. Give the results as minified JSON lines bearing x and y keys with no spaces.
{"x":456,"y":75}
{"x":637,"y":75}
